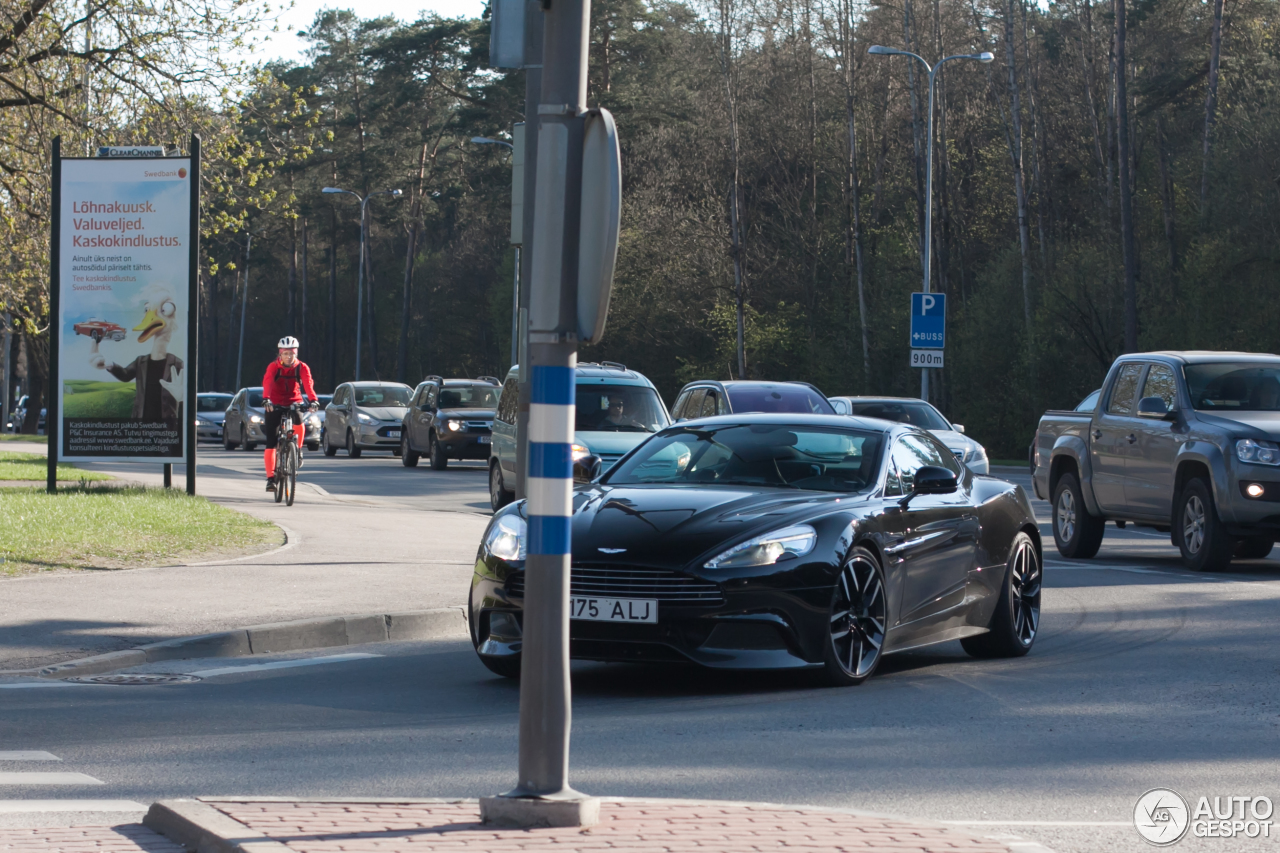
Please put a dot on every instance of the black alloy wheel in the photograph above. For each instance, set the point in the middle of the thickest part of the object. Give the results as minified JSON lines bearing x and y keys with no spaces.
{"x":1016,"y":622}
{"x":408,"y":458}
{"x":858,"y":618}
{"x":1203,"y":540}
{"x":329,"y":449}
{"x":248,"y":445}
{"x":498,"y":494}
{"x":1077,"y":534}
{"x":438,"y":460}
{"x":1254,"y":548}
{"x":353,"y":449}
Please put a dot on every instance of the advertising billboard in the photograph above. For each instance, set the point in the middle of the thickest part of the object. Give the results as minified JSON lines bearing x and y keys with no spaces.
{"x":124,"y":324}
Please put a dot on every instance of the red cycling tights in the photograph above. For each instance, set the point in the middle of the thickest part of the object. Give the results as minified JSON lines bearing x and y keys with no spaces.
{"x":269,"y":455}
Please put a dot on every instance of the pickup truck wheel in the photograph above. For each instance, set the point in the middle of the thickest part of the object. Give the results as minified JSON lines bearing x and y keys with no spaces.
{"x":1077,"y":534}
{"x":1203,"y":541}
{"x":1254,"y":548}
{"x":1016,"y":620}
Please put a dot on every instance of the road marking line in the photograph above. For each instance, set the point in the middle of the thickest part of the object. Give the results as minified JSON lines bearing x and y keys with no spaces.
{"x":22,"y":685}
{"x":27,"y":755}
{"x":32,"y":806}
{"x":1128,"y":823}
{"x":15,"y":778}
{"x":282,"y":664}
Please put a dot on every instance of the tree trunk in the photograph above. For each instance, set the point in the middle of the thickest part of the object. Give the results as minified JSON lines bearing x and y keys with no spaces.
{"x":1015,"y":152}
{"x":37,"y":382}
{"x":406,"y":303}
{"x":917,"y":133}
{"x":1210,"y":106}
{"x":291,"y":325}
{"x":853,"y":234}
{"x":1128,"y":249}
{"x":371,"y":318}
{"x":1166,"y":197}
{"x":333,"y":302}
{"x":726,"y":22}
{"x":302,"y":323}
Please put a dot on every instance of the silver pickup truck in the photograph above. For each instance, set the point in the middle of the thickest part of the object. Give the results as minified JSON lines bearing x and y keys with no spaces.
{"x":1182,"y":442}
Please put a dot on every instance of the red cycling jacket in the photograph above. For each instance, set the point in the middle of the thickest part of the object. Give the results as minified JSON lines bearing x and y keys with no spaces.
{"x":281,"y":384}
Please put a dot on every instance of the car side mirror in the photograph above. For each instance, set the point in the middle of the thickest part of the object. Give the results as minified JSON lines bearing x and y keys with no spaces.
{"x":958,"y":428}
{"x":1153,"y":407}
{"x":587,"y":469}
{"x":931,"y":480}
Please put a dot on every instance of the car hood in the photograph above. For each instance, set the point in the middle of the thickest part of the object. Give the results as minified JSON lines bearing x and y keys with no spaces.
{"x":384,"y":413}
{"x":604,"y":443}
{"x":954,"y":440}
{"x":468,"y":414}
{"x":670,"y":526}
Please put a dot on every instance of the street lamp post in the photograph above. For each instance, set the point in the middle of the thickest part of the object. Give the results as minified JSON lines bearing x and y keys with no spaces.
{"x":515,"y":295}
{"x":881,"y":50}
{"x":364,"y":201}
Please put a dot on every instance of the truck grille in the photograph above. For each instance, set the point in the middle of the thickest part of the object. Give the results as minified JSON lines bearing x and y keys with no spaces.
{"x":630,"y":582}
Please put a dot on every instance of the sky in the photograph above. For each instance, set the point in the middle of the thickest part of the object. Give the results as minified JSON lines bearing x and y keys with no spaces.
{"x":286,"y":45}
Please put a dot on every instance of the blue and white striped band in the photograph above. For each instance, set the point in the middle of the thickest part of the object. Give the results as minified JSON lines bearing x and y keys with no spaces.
{"x":550,"y":482}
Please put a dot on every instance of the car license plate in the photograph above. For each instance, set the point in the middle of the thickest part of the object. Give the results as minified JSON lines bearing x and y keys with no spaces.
{"x":484,"y":439}
{"x":613,"y":609}
{"x":393,"y":433}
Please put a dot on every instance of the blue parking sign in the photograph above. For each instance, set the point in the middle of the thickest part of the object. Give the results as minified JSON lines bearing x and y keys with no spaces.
{"x":928,"y":320}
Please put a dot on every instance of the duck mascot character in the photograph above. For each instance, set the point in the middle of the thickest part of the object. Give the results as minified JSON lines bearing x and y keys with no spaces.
{"x":157,"y":375}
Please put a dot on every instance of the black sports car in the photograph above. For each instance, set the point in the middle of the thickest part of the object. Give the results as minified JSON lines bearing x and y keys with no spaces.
{"x":779,"y":541}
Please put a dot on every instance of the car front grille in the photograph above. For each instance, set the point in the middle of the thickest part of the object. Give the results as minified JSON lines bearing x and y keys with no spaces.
{"x":479,"y":426}
{"x":600,"y":581}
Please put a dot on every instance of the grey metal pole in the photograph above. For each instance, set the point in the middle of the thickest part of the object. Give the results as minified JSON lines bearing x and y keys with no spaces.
{"x":6,"y":341}
{"x":534,"y":27}
{"x":244,"y":301}
{"x":928,"y":214}
{"x":360,"y":288}
{"x":545,"y":693}
{"x":515,"y":312}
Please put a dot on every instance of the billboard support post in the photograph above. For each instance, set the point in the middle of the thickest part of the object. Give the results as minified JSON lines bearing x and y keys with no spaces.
{"x":193,"y":318}
{"x":54,"y":404}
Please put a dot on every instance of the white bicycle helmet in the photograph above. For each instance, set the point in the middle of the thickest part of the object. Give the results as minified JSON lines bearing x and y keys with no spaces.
{"x":287,"y":342}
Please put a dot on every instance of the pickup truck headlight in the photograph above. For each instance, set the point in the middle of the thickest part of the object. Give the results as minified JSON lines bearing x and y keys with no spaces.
{"x":454,"y":426}
{"x":506,"y":538}
{"x":1258,"y":452}
{"x":768,"y":549}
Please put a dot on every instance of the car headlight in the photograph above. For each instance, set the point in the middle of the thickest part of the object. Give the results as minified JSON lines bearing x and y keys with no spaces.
{"x":768,"y":549}
{"x":255,"y":419}
{"x":978,"y":453}
{"x":365,"y":419}
{"x":580,"y":452}
{"x":506,"y":538}
{"x":1258,"y":452}
{"x":453,"y":426}
{"x":314,"y":420}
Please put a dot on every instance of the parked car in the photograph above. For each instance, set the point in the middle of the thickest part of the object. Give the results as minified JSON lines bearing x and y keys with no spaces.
{"x":778,"y":542}
{"x":242,"y":421}
{"x":211,"y":413}
{"x":449,"y":419}
{"x":365,"y":416}
{"x":617,"y":409}
{"x":1088,"y":404}
{"x":99,"y":330}
{"x":917,"y":412}
{"x":708,"y":397}
{"x":1183,"y":442}
{"x":19,"y":415}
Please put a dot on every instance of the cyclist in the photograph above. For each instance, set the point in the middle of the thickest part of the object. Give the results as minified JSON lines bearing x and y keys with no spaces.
{"x":287,"y":381}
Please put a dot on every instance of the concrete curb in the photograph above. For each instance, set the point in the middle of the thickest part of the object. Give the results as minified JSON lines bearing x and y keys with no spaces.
{"x":321,"y":633}
{"x":203,"y":828}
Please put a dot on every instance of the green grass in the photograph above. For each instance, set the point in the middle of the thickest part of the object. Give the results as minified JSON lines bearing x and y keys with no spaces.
{"x":119,"y":528}
{"x":32,"y":466}
{"x":33,"y":439}
{"x":88,"y":398}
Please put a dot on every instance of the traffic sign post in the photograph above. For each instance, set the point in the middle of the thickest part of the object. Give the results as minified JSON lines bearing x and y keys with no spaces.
{"x":928,"y":334}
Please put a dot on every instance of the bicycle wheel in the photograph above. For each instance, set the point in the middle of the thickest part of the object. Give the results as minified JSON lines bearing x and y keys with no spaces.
{"x":291,"y":475}
{"x":281,"y":470}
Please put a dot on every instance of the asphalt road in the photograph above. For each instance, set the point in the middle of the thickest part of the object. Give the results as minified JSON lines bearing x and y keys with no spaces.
{"x":1144,"y":676}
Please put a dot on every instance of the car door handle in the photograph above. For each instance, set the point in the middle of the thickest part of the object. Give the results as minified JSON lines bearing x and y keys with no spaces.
{"x":1097,"y":435}
{"x":1132,"y":438}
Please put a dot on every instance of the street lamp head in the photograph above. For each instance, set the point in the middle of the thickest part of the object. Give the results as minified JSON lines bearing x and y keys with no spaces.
{"x":397,"y":193}
{"x":332,"y":190}
{"x":480,"y":140}
{"x":881,"y":50}
{"x":985,"y":56}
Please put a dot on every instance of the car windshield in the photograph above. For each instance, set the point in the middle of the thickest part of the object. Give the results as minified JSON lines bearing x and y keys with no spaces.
{"x":917,"y":414}
{"x":383,"y":396}
{"x":212,"y":402}
{"x":324,"y":399}
{"x":1234,"y":387}
{"x":783,"y":398}
{"x":468,"y":397}
{"x":813,"y":458}
{"x":618,"y":408}
{"x":253,"y":398}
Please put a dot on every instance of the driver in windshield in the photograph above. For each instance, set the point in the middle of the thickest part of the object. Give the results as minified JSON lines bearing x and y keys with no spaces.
{"x":616,"y":415}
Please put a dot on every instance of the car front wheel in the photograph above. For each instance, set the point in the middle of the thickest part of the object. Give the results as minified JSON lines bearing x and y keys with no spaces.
{"x":438,"y":460}
{"x":329,"y":449}
{"x":408,"y":458}
{"x":353,"y":449}
{"x":1077,"y":534}
{"x":248,"y":445}
{"x":1203,"y":540}
{"x":498,"y":494}
{"x":857,"y":621}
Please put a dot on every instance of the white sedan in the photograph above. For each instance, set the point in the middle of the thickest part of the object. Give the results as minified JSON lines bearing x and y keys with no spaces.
{"x":912,"y":410}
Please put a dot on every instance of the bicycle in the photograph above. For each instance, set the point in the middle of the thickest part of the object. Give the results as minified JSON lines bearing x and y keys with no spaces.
{"x":287,"y":455}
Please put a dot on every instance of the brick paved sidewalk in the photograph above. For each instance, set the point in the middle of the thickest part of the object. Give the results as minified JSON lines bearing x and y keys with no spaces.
{"x":128,"y":838}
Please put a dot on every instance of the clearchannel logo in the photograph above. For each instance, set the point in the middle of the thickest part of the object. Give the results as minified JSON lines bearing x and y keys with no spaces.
{"x":1163,"y":818}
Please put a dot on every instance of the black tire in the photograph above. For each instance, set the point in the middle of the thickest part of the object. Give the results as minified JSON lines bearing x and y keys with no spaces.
{"x":227,"y":443}
{"x":408,"y":458}
{"x":438,"y":460}
{"x":1255,"y":548}
{"x":1203,"y":540}
{"x":329,"y":449}
{"x":498,"y":494}
{"x":353,"y":449}
{"x":248,"y":445}
{"x":1077,"y":534}
{"x":280,"y":475}
{"x":291,"y":475}
{"x":1016,"y":621}
{"x":313,"y":446}
{"x":858,"y":619}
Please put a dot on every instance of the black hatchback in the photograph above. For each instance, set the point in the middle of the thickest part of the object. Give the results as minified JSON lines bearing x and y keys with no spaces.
{"x":449,"y":419}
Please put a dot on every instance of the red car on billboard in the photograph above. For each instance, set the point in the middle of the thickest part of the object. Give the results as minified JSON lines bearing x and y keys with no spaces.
{"x":99,"y":329}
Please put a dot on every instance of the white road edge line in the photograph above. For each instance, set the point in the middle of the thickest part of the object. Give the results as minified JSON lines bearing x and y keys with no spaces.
{"x":27,"y":755}
{"x":23,"y":685}
{"x":37,"y":806}
{"x":19,"y":778}
{"x":1037,"y":823}
{"x":282,"y":664}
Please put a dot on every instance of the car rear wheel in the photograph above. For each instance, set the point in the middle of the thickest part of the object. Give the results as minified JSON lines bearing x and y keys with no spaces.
{"x":353,"y":449}
{"x":329,"y":449}
{"x":1254,"y":548}
{"x":1203,"y":540}
{"x":408,"y":458}
{"x":438,"y":460}
{"x":498,"y":494}
{"x":248,"y":445}
{"x":1077,"y":534}
{"x":1016,"y":622}
{"x":857,"y":621}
